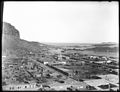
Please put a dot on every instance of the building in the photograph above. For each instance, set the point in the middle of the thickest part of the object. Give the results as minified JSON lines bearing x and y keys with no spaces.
{"x":108,"y":61}
{"x":101,"y":62}
{"x":60,"y":57}
{"x":65,"y":57}
{"x":20,"y":87}
{"x":55,"y":63}
{"x":46,"y":63}
{"x":3,"y":56}
{"x":93,"y":57}
{"x":62,"y":62}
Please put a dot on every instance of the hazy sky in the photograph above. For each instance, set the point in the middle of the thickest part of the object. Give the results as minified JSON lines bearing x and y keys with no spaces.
{"x":78,"y":22}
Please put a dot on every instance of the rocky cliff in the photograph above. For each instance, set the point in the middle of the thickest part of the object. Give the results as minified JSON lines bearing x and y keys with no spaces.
{"x":10,"y":30}
{"x":12,"y":44}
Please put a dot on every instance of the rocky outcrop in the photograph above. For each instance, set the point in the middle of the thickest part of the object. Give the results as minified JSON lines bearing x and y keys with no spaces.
{"x":12,"y":43}
{"x":10,"y":30}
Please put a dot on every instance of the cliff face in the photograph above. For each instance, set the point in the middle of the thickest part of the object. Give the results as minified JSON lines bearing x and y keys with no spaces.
{"x":10,"y":30}
{"x":13,"y":45}
{"x":10,"y":38}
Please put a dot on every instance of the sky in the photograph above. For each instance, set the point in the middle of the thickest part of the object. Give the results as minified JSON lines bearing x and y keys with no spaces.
{"x":69,"y":22}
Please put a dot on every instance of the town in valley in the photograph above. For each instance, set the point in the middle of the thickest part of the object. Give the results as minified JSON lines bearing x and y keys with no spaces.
{"x":60,"y":46}
{"x":50,"y":67}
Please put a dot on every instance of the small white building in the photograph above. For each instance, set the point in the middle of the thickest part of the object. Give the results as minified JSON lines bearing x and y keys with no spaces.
{"x":60,"y":57}
{"x":101,"y":62}
{"x":108,"y":61}
{"x":93,"y":57}
{"x":45,"y":63}
{"x":3,"y":56}
{"x":67,"y":57}
{"x":62,"y":62}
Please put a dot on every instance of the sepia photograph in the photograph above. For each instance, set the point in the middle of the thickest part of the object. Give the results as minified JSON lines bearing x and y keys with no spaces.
{"x":60,"y":46}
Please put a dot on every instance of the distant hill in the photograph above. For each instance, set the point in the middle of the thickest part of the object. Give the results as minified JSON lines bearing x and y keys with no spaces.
{"x":105,"y":44}
{"x":82,"y":44}
{"x":105,"y":47}
{"x":69,"y":44}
